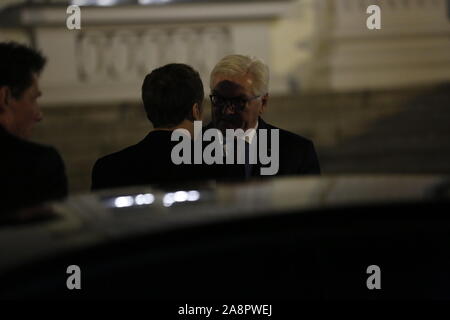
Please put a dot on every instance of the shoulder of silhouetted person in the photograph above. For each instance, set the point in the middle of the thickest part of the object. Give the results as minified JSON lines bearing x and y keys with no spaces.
{"x":297,"y":153}
{"x":31,"y":173}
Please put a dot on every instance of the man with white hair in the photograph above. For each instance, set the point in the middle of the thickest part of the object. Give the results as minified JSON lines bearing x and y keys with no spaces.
{"x":239,"y":96}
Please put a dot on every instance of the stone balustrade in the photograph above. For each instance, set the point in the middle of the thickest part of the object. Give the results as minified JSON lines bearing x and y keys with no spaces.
{"x":107,"y":59}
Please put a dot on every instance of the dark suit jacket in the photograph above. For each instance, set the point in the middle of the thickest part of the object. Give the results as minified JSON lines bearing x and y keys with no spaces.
{"x":297,"y":156}
{"x":30,"y":173}
{"x":148,"y":162}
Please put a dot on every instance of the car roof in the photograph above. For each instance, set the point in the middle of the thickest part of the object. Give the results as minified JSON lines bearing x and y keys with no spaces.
{"x":90,"y":219}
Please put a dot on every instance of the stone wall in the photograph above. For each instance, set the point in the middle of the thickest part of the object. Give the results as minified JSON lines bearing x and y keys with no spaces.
{"x":402,"y":131}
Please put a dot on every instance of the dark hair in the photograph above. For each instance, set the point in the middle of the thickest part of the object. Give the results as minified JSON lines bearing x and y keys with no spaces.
{"x":17,"y":64}
{"x":169,"y":93}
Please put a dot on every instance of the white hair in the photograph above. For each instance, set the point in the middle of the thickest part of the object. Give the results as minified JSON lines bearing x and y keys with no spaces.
{"x":240,"y":65}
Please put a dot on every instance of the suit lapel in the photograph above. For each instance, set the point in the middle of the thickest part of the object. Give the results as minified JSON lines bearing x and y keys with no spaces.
{"x":256,"y":169}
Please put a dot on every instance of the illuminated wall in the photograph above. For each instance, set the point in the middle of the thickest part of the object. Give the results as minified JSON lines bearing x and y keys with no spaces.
{"x":310,"y":45}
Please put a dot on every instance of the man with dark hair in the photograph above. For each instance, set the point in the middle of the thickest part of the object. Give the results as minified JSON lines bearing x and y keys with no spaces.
{"x":30,"y":173}
{"x":172,"y":97}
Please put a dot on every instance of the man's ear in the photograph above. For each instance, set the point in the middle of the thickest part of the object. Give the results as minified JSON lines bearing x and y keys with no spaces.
{"x":264,"y":103}
{"x":197,"y":112}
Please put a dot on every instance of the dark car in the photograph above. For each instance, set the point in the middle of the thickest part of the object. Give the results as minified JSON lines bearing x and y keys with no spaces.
{"x":341,"y":237}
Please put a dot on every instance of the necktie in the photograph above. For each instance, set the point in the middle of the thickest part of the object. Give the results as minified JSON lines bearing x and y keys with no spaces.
{"x":248,"y":166}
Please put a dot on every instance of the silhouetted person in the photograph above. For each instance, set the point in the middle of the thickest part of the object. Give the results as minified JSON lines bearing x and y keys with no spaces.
{"x":239,"y":96}
{"x":30,"y":173}
{"x":172,"y":97}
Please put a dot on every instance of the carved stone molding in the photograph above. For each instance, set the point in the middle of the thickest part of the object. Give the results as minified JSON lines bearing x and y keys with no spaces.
{"x":123,"y":55}
{"x":107,"y":60}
